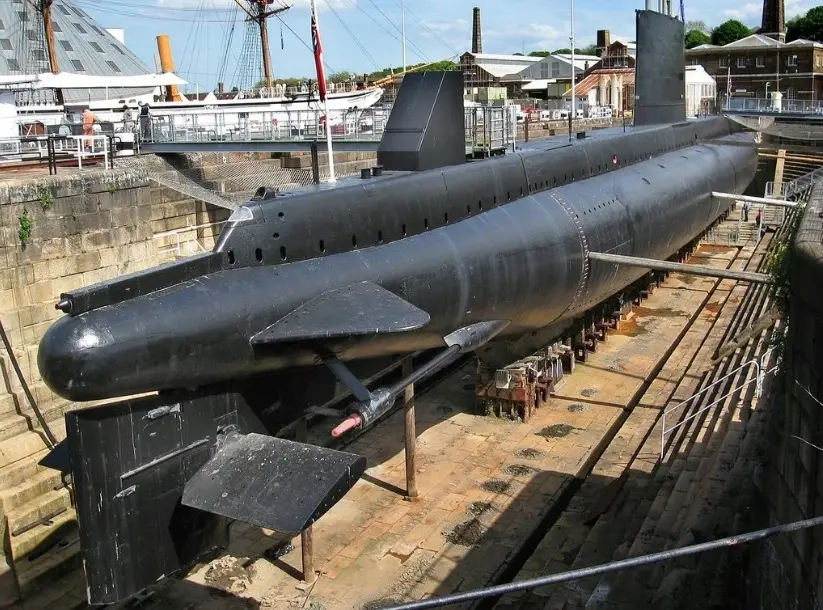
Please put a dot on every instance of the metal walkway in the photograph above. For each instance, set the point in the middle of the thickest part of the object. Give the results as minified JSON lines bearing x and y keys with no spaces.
{"x":489,"y":130}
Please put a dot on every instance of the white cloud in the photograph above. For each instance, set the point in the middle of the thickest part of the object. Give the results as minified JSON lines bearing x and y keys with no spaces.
{"x":455,"y":25}
{"x":535,"y":35}
{"x":750,"y":9}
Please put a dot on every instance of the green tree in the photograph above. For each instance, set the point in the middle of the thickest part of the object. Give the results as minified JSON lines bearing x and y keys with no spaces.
{"x":809,"y":26}
{"x":340,"y":77}
{"x":694,"y":38}
{"x":697,"y":24}
{"x":729,"y":31}
{"x":539,"y":54}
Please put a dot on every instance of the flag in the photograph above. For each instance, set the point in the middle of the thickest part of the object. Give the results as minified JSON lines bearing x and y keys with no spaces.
{"x":318,"y":54}
{"x":282,"y":42}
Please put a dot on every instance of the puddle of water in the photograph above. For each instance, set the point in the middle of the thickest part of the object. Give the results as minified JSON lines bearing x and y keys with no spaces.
{"x":467,"y":534}
{"x":476,"y":509}
{"x":495,"y":486}
{"x":556,"y":431}
{"x":518,"y":470}
{"x":529,"y":454}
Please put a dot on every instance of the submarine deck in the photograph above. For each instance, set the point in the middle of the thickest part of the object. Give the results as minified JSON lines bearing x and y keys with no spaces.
{"x":502,"y":500}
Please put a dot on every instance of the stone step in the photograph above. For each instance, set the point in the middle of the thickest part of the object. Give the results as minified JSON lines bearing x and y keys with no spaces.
{"x":642,"y":509}
{"x":578,"y":545}
{"x":14,"y":449}
{"x":303,"y":161}
{"x":41,"y":509}
{"x":22,"y":470}
{"x":662,"y":530}
{"x":54,"y":581}
{"x":8,"y":403}
{"x":12,"y":424}
{"x":43,"y":538}
{"x":24,"y":493}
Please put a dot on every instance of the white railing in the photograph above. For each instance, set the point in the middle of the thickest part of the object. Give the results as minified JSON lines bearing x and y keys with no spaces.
{"x":757,"y":380}
{"x":367,"y":124}
{"x":487,"y":127}
{"x":767,"y":106}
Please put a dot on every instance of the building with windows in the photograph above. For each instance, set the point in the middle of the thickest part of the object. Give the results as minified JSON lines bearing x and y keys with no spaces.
{"x":758,"y":65}
{"x":609,"y":82}
{"x":81,"y":46}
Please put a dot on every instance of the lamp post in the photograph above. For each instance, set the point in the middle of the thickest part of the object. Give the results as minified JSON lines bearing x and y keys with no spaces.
{"x":573,"y":114}
{"x":403,"y":26}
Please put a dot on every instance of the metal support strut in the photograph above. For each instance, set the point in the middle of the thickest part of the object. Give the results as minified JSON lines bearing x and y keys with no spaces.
{"x":410,"y":432}
{"x":633,"y":562}
{"x":649,"y":263}
{"x":782,"y":203}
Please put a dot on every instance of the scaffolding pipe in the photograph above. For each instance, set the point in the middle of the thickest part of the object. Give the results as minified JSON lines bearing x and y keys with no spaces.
{"x":762,"y":200}
{"x":633,"y":562}
{"x":650,"y":263}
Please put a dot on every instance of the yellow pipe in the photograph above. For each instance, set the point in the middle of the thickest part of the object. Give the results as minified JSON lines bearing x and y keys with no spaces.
{"x":167,"y":65}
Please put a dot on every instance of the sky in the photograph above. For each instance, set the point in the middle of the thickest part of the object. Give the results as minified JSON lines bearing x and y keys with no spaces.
{"x":364,"y":35}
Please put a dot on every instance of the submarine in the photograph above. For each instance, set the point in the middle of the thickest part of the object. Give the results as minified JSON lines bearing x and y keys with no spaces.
{"x":433,"y":255}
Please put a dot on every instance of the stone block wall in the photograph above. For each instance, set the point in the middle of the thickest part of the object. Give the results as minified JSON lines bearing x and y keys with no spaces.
{"x":84,"y":229}
{"x":787,"y":571}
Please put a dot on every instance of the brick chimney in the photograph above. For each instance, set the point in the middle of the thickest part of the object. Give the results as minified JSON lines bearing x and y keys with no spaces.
{"x":604,"y":39}
{"x":477,"y":37}
{"x":774,"y":19}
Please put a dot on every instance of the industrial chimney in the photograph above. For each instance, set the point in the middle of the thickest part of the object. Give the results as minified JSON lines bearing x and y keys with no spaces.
{"x":604,"y":39}
{"x":477,"y":38}
{"x":774,"y":20}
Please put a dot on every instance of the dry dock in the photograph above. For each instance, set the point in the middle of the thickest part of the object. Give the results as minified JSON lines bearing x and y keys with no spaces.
{"x":500,"y":500}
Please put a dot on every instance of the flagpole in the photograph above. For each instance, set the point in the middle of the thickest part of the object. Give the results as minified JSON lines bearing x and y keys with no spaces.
{"x":321,"y":84}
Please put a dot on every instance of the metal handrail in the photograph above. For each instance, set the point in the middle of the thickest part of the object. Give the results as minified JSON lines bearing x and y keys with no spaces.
{"x":757,"y":379}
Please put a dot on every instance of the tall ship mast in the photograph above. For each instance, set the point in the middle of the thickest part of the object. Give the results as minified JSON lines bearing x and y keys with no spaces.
{"x":259,"y":11}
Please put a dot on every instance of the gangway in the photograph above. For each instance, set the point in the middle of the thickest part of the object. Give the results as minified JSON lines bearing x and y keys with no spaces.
{"x":489,"y":130}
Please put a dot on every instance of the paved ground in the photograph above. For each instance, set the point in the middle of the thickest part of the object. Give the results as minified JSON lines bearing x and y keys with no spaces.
{"x":484,"y":485}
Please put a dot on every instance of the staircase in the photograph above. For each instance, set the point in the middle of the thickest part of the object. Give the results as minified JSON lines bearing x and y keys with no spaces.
{"x":37,"y":520}
{"x":694,"y":492}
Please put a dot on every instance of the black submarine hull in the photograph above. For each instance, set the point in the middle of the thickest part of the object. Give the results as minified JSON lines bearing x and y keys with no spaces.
{"x":523,"y":261}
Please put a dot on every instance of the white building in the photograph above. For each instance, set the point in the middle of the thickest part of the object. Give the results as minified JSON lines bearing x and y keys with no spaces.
{"x":701,"y":91}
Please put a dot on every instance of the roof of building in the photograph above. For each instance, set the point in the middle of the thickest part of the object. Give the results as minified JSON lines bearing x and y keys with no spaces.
{"x":501,"y":65}
{"x":756,"y":41}
{"x":593,"y":80}
{"x":81,"y":46}
{"x":539,"y":84}
{"x":697,"y":75}
{"x":581,"y":62}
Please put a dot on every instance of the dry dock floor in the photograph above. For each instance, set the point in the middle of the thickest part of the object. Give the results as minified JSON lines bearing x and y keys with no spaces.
{"x":484,"y":483}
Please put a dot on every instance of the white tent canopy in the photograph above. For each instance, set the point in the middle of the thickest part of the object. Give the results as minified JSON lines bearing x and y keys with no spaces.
{"x":69,"y":80}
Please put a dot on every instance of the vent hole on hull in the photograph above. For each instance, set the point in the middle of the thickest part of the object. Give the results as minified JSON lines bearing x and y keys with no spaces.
{"x":446,"y":217}
{"x":276,"y":236}
{"x":283,"y":253}
{"x":426,"y":223}
{"x":354,"y":241}
{"x":380,"y":237}
{"x":258,"y":255}
{"x":480,"y":205}
{"x":230,"y":257}
{"x":468,"y":210}
{"x":322,"y":246}
{"x":404,"y":230}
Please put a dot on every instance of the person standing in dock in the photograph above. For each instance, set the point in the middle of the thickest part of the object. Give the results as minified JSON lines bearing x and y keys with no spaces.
{"x":145,"y":121}
{"x":88,"y":128}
